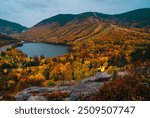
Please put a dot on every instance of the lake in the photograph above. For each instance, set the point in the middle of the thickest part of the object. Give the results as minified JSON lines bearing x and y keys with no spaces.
{"x":48,"y":50}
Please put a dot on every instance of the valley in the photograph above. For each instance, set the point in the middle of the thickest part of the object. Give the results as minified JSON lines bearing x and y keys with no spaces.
{"x":107,"y":59}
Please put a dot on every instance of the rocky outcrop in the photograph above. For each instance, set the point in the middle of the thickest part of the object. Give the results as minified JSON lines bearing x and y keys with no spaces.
{"x":37,"y":98}
{"x":98,"y":77}
{"x":1,"y":98}
{"x":84,"y":90}
{"x":42,"y":91}
{"x":76,"y":92}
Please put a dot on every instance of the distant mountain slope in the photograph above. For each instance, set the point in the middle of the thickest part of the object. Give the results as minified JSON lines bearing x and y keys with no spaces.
{"x":67,"y":27}
{"x":58,"y":33}
{"x":8,"y":27}
{"x":63,"y":19}
{"x":137,"y":18}
{"x":6,"y":40}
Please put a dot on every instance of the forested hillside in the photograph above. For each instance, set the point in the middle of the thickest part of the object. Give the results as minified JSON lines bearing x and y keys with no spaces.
{"x":105,"y":57}
{"x":8,"y":27}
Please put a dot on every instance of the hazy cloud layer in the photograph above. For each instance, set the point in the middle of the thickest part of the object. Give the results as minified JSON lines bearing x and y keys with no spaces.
{"x":30,"y":12}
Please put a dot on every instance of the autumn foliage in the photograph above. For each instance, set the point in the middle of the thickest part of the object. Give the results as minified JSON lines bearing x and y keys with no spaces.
{"x":127,"y":89}
{"x":114,"y":49}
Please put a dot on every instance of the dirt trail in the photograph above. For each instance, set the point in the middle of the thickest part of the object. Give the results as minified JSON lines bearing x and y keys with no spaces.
{"x":128,"y":30}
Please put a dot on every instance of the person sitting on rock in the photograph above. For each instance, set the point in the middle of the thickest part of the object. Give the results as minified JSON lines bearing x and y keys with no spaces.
{"x":101,"y":69}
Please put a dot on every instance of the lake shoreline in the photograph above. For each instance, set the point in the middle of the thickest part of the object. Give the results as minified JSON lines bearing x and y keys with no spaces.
{"x":25,"y":41}
{"x":61,"y":44}
{"x":41,"y":48}
{"x":5,"y":47}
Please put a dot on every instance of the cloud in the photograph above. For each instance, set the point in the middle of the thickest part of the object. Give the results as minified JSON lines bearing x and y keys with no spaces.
{"x":30,"y":12}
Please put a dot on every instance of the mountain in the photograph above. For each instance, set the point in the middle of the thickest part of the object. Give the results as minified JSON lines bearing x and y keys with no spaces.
{"x":6,"y":40}
{"x":63,"y":19}
{"x":8,"y":27}
{"x":64,"y":28}
{"x":138,"y":18}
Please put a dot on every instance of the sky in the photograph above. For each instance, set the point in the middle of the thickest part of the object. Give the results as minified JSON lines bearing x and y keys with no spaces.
{"x":30,"y":12}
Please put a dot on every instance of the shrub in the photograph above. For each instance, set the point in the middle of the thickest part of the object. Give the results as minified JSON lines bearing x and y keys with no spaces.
{"x":49,"y":83}
{"x":11,"y":84}
{"x":57,"y":96}
{"x":130,"y":89}
{"x":36,"y":80}
{"x":32,"y":80}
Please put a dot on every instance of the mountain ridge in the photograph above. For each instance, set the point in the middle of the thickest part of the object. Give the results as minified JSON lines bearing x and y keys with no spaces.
{"x":9,"y":27}
{"x":64,"y":28}
{"x":142,"y":13}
